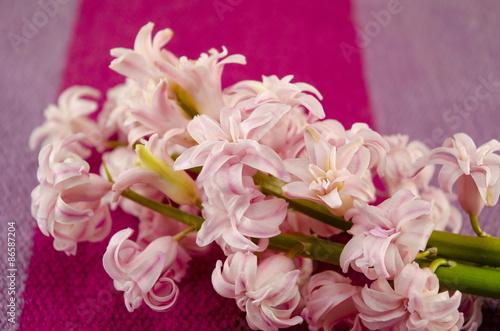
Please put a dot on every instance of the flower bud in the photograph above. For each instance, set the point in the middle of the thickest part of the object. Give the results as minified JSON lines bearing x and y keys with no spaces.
{"x":177,"y":185}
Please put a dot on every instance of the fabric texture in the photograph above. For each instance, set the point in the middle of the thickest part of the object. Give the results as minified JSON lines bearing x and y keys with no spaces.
{"x":404,"y":78}
{"x":32,"y":61}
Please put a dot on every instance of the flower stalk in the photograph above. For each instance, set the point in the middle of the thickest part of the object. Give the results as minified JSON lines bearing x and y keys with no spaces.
{"x":164,"y":209}
{"x":452,"y":275}
{"x":480,"y":250}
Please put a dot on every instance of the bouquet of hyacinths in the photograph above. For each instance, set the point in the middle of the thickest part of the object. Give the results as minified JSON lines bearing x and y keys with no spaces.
{"x":253,"y":168}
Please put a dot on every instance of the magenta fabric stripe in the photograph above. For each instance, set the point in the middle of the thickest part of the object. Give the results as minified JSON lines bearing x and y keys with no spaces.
{"x":33,"y":47}
{"x":277,"y":38}
{"x":432,"y":70}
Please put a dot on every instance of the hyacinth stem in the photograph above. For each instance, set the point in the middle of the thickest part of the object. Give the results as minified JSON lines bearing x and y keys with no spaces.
{"x":483,"y":250}
{"x":310,"y":247}
{"x":164,"y":209}
{"x":480,"y":250}
{"x":434,"y":265}
{"x":474,"y":222}
{"x":185,"y":232}
{"x":467,"y":278}
{"x":452,"y":275}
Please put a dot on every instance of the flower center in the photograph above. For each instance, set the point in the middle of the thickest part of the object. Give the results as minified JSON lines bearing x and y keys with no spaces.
{"x":325,"y":182}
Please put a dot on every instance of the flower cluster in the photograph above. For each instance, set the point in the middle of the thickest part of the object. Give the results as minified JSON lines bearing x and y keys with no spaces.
{"x":255,"y":169}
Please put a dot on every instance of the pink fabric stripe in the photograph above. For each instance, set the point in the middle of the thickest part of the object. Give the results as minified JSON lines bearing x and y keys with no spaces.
{"x":298,"y":38}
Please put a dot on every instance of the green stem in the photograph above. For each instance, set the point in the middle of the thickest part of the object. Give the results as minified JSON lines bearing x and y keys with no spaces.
{"x":480,"y":250}
{"x":474,"y":222}
{"x":165,"y":210}
{"x":185,"y":232}
{"x":272,"y":186}
{"x":456,"y":276}
{"x":431,"y":251}
{"x":313,"y":248}
{"x":468,"y":279}
{"x":438,"y":263}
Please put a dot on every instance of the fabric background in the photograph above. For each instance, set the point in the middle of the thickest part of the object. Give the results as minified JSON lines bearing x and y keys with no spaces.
{"x":413,"y":71}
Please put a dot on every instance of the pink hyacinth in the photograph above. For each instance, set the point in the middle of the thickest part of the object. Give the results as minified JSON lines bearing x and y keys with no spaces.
{"x":155,"y":168}
{"x":413,"y":304}
{"x":233,"y":140}
{"x":230,"y":153}
{"x":266,"y":291}
{"x":275,"y":90}
{"x":118,"y":161}
{"x":329,"y":301}
{"x":139,"y":63}
{"x":388,"y":236}
{"x":198,"y":83}
{"x":471,"y":309}
{"x":153,"y":225}
{"x":68,"y":117}
{"x":400,"y":160}
{"x":301,"y":97}
{"x":336,"y":135}
{"x":235,"y":214}
{"x":148,"y":274}
{"x":68,"y":203}
{"x":476,"y":170}
{"x":444,"y":214}
{"x":333,"y":176}
{"x":158,"y":117}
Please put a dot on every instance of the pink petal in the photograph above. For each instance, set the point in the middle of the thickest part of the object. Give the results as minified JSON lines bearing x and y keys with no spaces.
{"x":266,"y":160}
{"x":204,"y":128}
{"x":163,"y":295}
{"x":66,"y":214}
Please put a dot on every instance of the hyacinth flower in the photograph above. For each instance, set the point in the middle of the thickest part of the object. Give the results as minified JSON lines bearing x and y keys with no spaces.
{"x":138,"y":63}
{"x":388,"y":236}
{"x":336,"y":135}
{"x":476,"y":170}
{"x":273,"y":89}
{"x":414,"y":303}
{"x":329,"y":301}
{"x":153,"y":225}
{"x":400,"y":159}
{"x":230,"y":154}
{"x":68,"y":203}
{"x":333,"y":176}
{"x":68,"y":117}
{"x":148,"y":274}
{"x":155,"y":168}
{"x":301,"y":97}
{"x":266,"y":291}
{"x":132,"y":113}
{"x":444,"y":215}
{"x":197,"y":84}
{"x":158,"y":117}
{"x":233,"y":219}
{"x":233,"y":139}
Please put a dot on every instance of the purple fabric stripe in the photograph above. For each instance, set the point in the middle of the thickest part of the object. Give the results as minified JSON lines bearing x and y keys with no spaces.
{"x":432,"y":70}
{"x":33,"y":46}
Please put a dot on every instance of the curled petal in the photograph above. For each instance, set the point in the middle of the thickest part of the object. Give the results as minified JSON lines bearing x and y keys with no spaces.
{"x":163,"y":295}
